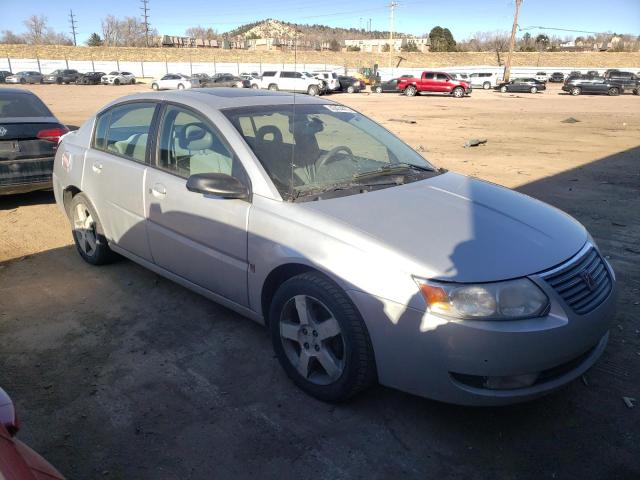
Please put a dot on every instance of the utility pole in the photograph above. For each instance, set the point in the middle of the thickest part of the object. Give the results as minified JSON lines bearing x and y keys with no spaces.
{"x":72,"y":21}
{"x":512,"y":41}
{"x":392,"y":7}
{"x":145,"y":15}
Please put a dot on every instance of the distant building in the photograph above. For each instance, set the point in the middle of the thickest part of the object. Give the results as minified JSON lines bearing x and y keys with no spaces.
{"x":378,"y":45}
{"x":275,"y":44}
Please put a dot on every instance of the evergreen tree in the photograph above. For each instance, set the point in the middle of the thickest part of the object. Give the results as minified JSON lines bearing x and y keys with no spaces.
{"x":94,"y":40}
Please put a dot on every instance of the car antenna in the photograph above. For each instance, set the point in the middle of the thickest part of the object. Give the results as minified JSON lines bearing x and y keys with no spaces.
{"x":293,"y":120}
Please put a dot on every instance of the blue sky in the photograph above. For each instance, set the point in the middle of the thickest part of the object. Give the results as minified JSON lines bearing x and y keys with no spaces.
{"x":462,"y":17}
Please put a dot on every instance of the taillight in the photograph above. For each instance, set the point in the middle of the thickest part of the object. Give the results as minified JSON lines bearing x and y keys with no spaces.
{"x":52,"y":134}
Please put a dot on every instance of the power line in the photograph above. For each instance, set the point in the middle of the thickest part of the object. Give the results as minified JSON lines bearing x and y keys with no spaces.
{"x":72,"y":21}
{"x":559,"y":29}
{"x":145,"y":15}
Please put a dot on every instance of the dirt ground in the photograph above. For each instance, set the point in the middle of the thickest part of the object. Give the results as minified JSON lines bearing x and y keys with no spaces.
{"x":118,"y":373}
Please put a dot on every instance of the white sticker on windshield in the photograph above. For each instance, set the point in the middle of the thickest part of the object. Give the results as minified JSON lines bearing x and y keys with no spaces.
{"x":338,"y":108}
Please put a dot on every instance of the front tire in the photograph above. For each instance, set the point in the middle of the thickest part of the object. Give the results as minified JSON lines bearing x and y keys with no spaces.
{"x":320,"y":338}
{"x":534,"y":90}
{"x":155,"y":86}
{"x":458,"y":92}
{"x":116,"y":82}
{"x":313,"y":90}
{"x":273,"y":87}
{"x":636,"y":91}
{"x":410,"y":91}
{"x":180,"y":86}
{"x":350,"y":89}
{"x":133,"y":81}
{"x":255,"y":86}
{"x":88,"y":235}
{"x":378,"y":89}
{"x":503,"y":89}
{"x":23,"y":81}
{"x":486,"y":85}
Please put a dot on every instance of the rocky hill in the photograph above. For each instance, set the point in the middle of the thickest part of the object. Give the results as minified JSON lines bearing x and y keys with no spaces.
{"x":271,"y":28}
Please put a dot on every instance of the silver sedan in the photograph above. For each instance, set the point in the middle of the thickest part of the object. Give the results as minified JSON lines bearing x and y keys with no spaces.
{"x":365,"y":262}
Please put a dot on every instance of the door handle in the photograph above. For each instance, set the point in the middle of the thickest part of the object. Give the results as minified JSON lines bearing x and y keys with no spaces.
{"x":158,"y":190}
{"x":97,"y":167}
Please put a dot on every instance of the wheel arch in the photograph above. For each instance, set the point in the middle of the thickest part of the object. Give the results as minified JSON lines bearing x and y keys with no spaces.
{"x":67,"y":195}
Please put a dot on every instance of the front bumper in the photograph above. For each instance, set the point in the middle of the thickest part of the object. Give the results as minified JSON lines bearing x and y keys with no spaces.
{"x":447,"y":360}
{"x":22,"y":176}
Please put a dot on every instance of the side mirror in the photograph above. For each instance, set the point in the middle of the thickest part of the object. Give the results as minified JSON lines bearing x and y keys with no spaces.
{"x":219,"y":184}
{"x":8,"y":417}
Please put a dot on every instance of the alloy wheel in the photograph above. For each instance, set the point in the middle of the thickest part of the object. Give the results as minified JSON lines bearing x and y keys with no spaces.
{"x":85,"y":229}
{"x":312,"y":340}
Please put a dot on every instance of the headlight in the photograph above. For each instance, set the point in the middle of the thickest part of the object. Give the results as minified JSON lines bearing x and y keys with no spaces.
{"x":509,"y":300}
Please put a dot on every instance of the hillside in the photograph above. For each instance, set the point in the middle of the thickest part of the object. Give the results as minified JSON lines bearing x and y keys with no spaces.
{"x":271,"y":28}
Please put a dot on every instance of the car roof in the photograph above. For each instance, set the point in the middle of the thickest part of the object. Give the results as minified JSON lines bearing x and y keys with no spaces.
{"x":221,"y":98}
{"x":16,"y":90}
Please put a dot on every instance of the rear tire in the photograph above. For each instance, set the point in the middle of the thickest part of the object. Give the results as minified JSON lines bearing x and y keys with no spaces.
{"x":378,"y":89}
{"x":155,"y":86}
{"x":180,"y":86}
{"x":326,"y":351}
{"x":116,"y":82}
{"x":133,"y":81}
{"x":23,"y":81}
{"x":575,"y":91}
{"x":503,"y":89}
{"x":486,"y":85}
{"x":255,"y":86}
{"x":636,"y":91}
{"x":273,"y":87}
{"x":59,"y":81}
{"x":87,"y":232}
{"x":410,"y":91}
{"x":614,"y":91}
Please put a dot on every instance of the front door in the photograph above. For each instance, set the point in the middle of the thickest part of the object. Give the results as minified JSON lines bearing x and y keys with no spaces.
{"x":114,"y":173}
{"x":201,"y":238}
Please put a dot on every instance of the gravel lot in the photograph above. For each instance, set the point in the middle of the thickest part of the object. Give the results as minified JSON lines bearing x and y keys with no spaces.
{"x":118,"y":373}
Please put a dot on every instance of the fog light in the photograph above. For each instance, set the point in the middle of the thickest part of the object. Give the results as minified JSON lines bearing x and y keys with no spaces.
{"x":510,"y":382}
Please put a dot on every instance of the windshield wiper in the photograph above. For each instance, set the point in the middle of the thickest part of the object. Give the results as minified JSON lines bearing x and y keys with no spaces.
{"x":391,"y":169}
{"x":334,"y":187}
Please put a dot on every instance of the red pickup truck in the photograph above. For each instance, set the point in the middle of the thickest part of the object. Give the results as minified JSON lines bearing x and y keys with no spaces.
{"x":437,"y":82}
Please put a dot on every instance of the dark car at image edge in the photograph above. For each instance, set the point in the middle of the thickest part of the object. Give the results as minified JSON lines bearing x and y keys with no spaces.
{"x":29,"y":135}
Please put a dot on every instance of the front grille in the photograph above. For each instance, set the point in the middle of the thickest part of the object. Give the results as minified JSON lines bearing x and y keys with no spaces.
{"x":584,"y":283}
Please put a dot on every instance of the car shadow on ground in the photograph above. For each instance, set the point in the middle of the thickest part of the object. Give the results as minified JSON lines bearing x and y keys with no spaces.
{"x":41,"y":197}
{"x":117,"y":370}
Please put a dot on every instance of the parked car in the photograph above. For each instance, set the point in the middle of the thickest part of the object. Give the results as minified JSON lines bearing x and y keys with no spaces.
{"x":541,"y":77}
{"x":24,"y":77}
{"x":593,"y":85}
{"x":62,"y":76}
{"x":350,"y":84}
{"x":556,"y":77}
{"x":227,"y":80}
{"x":434,"y":82}
{"x":485,"y":80}
{"x":291,"y":81}
{"x":312,"y":219}
{"x":460,"y":76}
{"x":4,"y":74}
{"x":530,"y":85}
{"x":628,"y":80}
{"x":386,"y":86}
{"x":90,"y":78}
{"x":119,"y":78}
{"x":202,"y":78}
{"x":175,"y":81}
{"x":330,"y":78}
{"x":593,"y":73}
{"x":29,"y":135}
{"x":17,"y":460}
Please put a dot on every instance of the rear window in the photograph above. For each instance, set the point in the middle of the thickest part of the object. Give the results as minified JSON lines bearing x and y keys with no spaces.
{"x":21,"y":105}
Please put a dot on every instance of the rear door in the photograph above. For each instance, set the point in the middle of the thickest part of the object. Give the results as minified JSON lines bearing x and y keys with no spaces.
{"x":114,"y":173}
{"x":201,"y":238}
{"x":428,"y":82}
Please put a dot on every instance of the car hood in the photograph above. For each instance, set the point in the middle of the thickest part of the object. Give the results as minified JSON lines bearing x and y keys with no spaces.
{"x":461,"y":229}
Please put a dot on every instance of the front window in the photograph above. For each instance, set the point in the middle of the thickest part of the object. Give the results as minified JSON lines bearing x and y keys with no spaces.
{"x":311,"y":149}
{"x":114,"y":73}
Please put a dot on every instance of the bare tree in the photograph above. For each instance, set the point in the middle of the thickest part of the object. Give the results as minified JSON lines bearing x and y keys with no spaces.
{"x":201,"y":32}
{"x":36,"y":26}
{"x":110,"y":31}
{"x":10,"y":38}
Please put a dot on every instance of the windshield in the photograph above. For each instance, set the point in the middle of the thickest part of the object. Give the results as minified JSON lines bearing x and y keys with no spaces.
{"x":327,"y":146}
{"x":114,"y":73}
{"x":21,"y":105}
